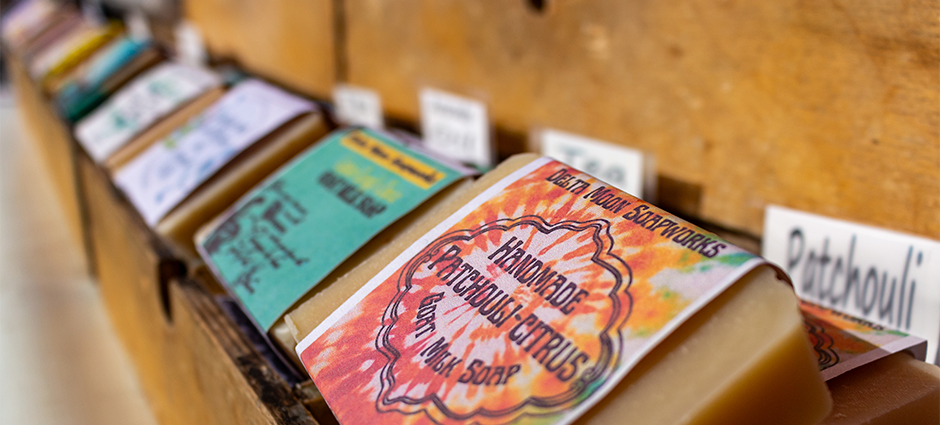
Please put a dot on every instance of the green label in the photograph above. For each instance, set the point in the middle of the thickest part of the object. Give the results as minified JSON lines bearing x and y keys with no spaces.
{"x":286,"y":236}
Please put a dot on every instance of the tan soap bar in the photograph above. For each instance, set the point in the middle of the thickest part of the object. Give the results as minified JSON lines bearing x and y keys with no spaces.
{"x":238,"y":176}
{"x":897,"y":389}
{"x":163,"y":128}
{"x":744,"y":358}
{"x":283,"y":334}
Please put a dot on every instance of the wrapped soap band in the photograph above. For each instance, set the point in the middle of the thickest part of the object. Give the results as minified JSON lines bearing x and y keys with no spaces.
{"x":324,"y":213}
{"x":185,"y":179}
{"x":546,"y":296}
{"x":81,"y":90}
{"x":875,"y":375}
{"x":158,"y":101}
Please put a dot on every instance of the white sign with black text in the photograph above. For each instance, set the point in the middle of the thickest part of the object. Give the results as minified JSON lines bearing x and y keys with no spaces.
{"x":137,"y":25}
{"x":620,"y":166}
{"x":456,"y":127}
{"x":885,"y":277}
{"x":190,"y":47}
{"x":358,"y":106}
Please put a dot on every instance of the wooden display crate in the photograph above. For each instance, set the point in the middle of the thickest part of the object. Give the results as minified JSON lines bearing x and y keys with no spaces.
{"x":53,"y":139}
{"x":194,"y":364}
{"x":288,"y":41}
{"x":826,"y":107}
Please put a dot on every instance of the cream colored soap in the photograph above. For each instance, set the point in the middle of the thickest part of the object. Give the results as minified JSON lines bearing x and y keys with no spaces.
{"x":894,"y":390}
{"x":233,"y":180}
{"x":743,"y":359}
{"x":162,"y":128}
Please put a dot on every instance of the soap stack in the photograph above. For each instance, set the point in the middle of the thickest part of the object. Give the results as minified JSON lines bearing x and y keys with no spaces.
{"x":406,"y":288}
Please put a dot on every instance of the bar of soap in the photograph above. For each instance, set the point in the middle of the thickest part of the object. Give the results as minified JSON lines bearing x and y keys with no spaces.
{"x":141,"y":105}
{"x":162,"y":128}
{"x":196,"y":172}
{"x":70,"y":51}
{"x":92,"y":81}
{"x":284,"y":333}
{"x":743,"y":358}
{"x":319,"y":217}
{"x":897,"y":389}
{"x":25,"y":20}
{"x":237,"y":177}
{"x":319,"y":303}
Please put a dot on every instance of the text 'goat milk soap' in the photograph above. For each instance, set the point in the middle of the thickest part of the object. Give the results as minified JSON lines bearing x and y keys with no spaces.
{"x":288,"y":235}
{"x":552,"y":298}
{"x":148,"y":98}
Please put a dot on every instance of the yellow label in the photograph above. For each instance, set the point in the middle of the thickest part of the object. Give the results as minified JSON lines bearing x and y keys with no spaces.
{"x":386,"y":156}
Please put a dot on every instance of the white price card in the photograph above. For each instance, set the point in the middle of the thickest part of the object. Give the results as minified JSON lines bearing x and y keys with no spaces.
{"x":358,"y":106}
{"x":456,"y":127}
{"x":190,"y":48}
{"x":137,"y":25}
{"x":885,"y":277}
{"x":620,"y":166}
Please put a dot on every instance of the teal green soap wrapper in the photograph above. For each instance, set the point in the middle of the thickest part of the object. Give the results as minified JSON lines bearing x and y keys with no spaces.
{"x":289,"y":233}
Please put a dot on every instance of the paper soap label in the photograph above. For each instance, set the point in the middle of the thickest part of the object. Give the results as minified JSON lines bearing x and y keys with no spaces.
{"x":166,"y":173}
{"x":457,"y":127}
{"x":284,"y":238}
{"x":844,"y":342}
{"x":884,"y":277}
{"x":139,"y":105}
{"x":529,"y":304}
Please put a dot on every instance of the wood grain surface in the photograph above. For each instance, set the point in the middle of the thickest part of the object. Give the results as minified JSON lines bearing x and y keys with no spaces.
{"x":289,"y":41}
{"x":831,"y":107}
{"x":194,"y":365}
{"x":51,"y":136}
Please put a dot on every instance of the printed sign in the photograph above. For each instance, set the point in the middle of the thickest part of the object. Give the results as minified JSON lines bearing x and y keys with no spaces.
{"x":282,"y":239}
{"x":844,"y":342}
{"x":620,"y":166}
{"x":137,"y":25}
{"x":456,"y":127}
{"x":140,"y":104}
{"x":190,"y":48}
{"x":534,"y":299}
{"x":358,"y":106}
{"x":884,"y":277}
{"x":166,"y":173}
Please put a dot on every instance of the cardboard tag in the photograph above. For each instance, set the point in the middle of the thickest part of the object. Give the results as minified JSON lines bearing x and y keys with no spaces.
{"x":620,"y":166}
{"x":456,"y":127}
{"x":137,"y":25}
{"x":190,"y":48}
{"x":885,"y":277}
{"x":358,"y":106}
{"x":843,"y":342}
{"x":524,"y":303}
{"x":142,"y":102}
{"x":166,"y":173}
{"x":282,"y":239}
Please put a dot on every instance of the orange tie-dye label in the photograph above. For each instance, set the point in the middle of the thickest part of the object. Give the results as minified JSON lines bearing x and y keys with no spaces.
{"x":528,"y":305}
{"x":843,"y":342}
